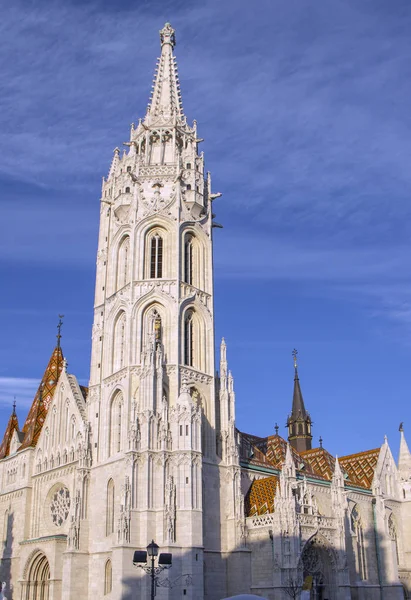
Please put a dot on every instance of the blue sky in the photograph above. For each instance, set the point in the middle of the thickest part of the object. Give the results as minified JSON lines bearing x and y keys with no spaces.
{"x":304,"y":107}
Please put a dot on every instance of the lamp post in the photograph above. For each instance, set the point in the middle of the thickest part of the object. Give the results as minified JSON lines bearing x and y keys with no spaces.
{"x":152,"y":551}
{"x":140,"y":560}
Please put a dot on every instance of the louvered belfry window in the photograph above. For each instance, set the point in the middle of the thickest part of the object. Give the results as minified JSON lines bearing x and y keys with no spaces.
{"x":156,"y":259}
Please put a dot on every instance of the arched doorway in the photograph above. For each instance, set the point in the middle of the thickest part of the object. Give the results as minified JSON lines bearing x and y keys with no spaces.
{"x":36,"y":586}
{"x":318,"y":566}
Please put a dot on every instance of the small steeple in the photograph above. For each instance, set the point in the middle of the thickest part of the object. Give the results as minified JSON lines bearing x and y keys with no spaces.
{"x":12,"y":426}
{"x":165,"y":100}
{"x":404,"y":457}
{"x":299,"y":422}
{"x":38,"y":411}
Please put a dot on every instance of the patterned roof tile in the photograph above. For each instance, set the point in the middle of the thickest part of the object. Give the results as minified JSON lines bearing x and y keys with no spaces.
{"x":12,"y":426}
{"x":361,"y":466}
{"x":42,"y":399}
{"x":260,"y":497}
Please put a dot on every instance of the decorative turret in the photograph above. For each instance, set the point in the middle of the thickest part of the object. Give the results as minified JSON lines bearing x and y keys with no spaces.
{"x":299,"y":422}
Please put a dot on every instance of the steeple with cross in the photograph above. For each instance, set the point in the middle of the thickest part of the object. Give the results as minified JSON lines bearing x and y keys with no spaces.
{"x":299,"y":422}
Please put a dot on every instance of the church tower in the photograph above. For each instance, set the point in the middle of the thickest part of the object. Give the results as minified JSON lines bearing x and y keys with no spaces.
{"x":152,"y":384}
{"x":299,"y":422}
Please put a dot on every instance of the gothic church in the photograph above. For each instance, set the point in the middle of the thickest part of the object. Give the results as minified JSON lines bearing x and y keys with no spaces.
{"x":150,"y":449}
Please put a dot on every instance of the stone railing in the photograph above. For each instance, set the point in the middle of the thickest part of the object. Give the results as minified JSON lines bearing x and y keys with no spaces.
{"x":316,"y":521}
{"x":260,"y":520}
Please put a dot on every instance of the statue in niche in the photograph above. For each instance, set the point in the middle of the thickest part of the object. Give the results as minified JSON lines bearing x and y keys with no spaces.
{"x":170,"y":510}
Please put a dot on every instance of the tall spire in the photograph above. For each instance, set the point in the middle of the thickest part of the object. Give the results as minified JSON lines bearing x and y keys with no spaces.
{"x":165,"y":100}
{"x":299,"y":422}
{"x":404,"y":457}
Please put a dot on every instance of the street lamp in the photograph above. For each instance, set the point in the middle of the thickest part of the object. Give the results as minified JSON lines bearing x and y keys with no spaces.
{"x":164,"y":562}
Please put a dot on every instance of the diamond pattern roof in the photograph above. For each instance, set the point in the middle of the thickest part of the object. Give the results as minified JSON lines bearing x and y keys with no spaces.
{"x":260,"y":497}
{"x":42,"y":400}
{"x":12,"y":426}
{"x":361,"y":466}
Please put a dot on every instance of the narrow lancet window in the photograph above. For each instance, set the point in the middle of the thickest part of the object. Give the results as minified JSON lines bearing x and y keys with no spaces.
{"x":156,"y":257}
{"x":188,"y":339}
{"x":188,"y":260}
{"x":110,"y":508}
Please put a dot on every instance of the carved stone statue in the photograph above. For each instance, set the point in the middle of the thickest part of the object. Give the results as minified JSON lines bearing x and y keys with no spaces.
{"x":170,"y":510}
{"x":3,"y":587}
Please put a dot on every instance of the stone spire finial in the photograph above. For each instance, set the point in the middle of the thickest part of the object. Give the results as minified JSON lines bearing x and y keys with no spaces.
{"x":404,"y":457}
{"x":165,"y":99}
{"x":167,"y":35}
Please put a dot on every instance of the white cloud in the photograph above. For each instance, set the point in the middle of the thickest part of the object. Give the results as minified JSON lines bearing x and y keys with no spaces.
{"x":23,"y":389}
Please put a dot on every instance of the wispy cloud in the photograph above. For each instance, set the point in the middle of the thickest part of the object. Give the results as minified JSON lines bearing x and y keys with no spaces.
{"x":17,"y":387}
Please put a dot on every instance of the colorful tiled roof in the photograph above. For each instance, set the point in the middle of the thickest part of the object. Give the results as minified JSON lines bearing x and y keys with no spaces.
{"x":361,"y":466}
{"x":260,"y":497}
{"x":321,"y":462}
{"x":42,"y":399}
{"x":12,"y":426}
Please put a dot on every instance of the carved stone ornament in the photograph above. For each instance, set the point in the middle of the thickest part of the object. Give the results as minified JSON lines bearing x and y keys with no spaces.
{"x":60,"y":506}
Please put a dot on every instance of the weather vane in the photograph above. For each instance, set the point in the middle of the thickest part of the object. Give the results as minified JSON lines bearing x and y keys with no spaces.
{"x":294,"y":354}
{"x":59,"y":325}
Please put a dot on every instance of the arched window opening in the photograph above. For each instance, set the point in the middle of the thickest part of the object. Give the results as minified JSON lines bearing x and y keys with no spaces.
{"x":156,"y":257}
{"x":110,"y":508}
{"x":53,"y":426}
{"x":188,"y":259}
{"x":73,"y":427}
{"x":188,"y":339}
{"x":127,"y":190}
{"x":116,"y":423}
{"x":37,"y":585}
{"x":67,"y":421}
{"x":123,"y":263}
{"x":108,"y":577}
{"x":119,"y":342}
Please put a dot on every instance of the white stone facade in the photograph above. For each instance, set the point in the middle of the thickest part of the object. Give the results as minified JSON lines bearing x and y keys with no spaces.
{"x":152,"y":451}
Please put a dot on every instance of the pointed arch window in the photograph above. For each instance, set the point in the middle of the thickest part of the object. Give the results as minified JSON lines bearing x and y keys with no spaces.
{"x":119,"y":342}
{"x":188,"y":339}
{"x":108,"y":577}
{"x":110,"y":508}
{"x":156,"y":257}
{"x":123,"y":263}
{"x":116,"y":417}
{"x":188,"y":259}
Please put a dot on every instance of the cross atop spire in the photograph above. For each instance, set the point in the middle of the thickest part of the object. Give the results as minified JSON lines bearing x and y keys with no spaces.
{"x":59,"y":326}
{"x":165,"y":100}
{"x":294,"y":354}
{"x":299,"y":422}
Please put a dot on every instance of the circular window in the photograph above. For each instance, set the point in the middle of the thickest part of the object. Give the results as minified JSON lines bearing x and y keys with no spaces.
{"x":60,"y":506}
